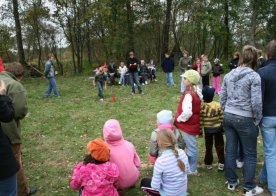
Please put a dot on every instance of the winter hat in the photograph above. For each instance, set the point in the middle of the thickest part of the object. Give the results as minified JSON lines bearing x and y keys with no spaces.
{"x":216,"y":60}
{"x":99,"y":150}
{"x":164,"y":116}
{"x":208,"y":93}
{"x":192,"y":76}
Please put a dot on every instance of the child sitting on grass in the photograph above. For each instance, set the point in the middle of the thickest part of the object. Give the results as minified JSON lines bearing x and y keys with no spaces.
{"x":187,"y":117}
{"x":211,"y":116}
{"x":170,"y":169}
{"x":164,"y":121}
{"x":96,"y":175}
{"x":122,"y":153}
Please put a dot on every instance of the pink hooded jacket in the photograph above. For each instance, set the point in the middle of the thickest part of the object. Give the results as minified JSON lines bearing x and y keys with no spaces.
{"x":122,"y":153}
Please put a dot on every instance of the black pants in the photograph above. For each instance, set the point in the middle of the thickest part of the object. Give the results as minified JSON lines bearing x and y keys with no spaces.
{"x":219,"y":145}
{"x":205,"y":80}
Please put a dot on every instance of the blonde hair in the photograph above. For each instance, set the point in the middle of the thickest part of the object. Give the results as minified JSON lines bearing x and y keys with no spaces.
{"x":166,"y":139}
{"x":249,"y":57}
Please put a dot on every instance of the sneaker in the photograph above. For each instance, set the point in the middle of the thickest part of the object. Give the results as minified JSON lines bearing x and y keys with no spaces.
{"x":143,"y":84}
{"x":146,"y":82}
{"x":133,"y":93}
{"x":232,"y":187}
{"x":193,"y":173}
{"x":220,"y":167}
{"x":119,"y":82}
{"x":256,"y":191}
{"x":101,"y":99}
{"x":209,"y":167}
{"x":141,"y":93}
{"x":239,"y":164}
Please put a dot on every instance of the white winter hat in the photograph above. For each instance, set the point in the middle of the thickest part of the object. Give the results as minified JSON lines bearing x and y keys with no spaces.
{"x":164,"y":116}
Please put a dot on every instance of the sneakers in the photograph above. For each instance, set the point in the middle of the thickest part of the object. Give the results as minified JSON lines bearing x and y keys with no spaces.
{"x":101,"y":99}
{"x":220,"y":167}
{"x":193,"y":173}
{"x":256,"y":191}
{"x":239,"y":164}
{"x":232,"y":187}
{"x":209,"y":167}
{"x":146,"y":82}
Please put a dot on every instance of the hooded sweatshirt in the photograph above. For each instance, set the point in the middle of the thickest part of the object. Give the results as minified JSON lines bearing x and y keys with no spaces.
{"x":241,"y":93}
{"x":122,"y":153}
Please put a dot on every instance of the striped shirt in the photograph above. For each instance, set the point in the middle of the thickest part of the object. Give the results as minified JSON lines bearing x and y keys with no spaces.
{"x":167,"y":178}
{"x":211,"y":116}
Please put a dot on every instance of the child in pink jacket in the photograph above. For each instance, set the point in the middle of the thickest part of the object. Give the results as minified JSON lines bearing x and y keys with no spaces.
{"x":122,"y":153}
{"x":96,"y":175}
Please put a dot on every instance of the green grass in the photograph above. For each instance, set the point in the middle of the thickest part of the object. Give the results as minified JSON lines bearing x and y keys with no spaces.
{"x":58,"y":129}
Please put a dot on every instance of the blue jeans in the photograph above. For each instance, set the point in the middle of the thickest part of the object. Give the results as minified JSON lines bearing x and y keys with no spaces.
{"x":239,"y":152}
{"x":169,"y":78}
{"x":122,"y":79}
{"x":239,"y":128}
{"x":100,"y":89}
{"x":268,"y":172}
{"x":8,"y":187}
{"x":190,"y":141}
{"x":133,"y":77}
{"x":52,"y":86}
{"x":182,"y":87}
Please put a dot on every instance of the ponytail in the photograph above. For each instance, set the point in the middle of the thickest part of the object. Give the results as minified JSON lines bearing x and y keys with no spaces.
{"x":180,"y":163}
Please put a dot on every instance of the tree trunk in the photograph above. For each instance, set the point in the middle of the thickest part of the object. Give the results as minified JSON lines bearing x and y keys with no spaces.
{"x":227,"y":31}
{"x":130,"y":21}
{"x":253,"y":22}
{"x":19,"y":41}
{"x":166,"y":29}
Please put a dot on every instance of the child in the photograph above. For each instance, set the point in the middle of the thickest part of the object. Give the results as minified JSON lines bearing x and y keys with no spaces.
{"x":1,"y":65}
{"x":217,"y":71}
{"x":170,"y":169}
{"x":168,"y":66}
{"x":164,"y":121}
{"x":184,"y":64}
{"x":206,"y":69}
{"x":152,"y":70}
{"x":122,"y":71}
{"x":187,"y":117}
{"x":197,"y":66}
{"x":96,"y":175}
{"x":99,"y":78}
{"x":211,"y":121}
{"x":122,"y":153}
{"x":144,"y":72}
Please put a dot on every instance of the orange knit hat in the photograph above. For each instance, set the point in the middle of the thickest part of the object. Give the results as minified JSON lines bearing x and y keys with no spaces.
{"x":99,"y":149}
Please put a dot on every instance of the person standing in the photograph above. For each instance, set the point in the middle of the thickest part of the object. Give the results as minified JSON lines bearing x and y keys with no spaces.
{"x":241,"y":101}
{"x":12,"y":76}
{"x":132,"y":65}
{"x":8,"y":163}
{"x":185,"y":63}
{"x":168,"y":67}
{"x":206,"y":69}
{"x":268,"y":123}
{"x":49,"y":73}
{"x":235,"y":61}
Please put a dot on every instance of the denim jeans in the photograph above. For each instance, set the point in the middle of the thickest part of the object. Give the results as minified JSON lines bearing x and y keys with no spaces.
{"x":268,"y":172}
{"x":134,"y":78}
{"x":8,"y":187}
{"x":239,"y":152}
{"x":169,"y":78}
{"x":242,"y":129}
{"x":182,"y":86}
{"x":190,"y":141}
{"x":122,"y":79}
{"x":100,"y":89}
{"x":52,"y":86}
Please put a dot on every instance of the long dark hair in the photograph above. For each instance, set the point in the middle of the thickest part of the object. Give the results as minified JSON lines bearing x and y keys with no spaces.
{"x":89,"y":159}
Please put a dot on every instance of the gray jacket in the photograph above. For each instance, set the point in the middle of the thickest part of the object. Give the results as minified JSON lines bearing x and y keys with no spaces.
{"x":49,"y":71}
{"x":241,"y":93}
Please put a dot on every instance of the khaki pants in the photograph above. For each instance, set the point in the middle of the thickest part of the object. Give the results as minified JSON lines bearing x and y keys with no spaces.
{"x":22,"y":186}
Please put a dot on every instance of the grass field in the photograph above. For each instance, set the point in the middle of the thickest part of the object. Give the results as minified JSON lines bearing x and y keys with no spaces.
{"x":58,"y":129}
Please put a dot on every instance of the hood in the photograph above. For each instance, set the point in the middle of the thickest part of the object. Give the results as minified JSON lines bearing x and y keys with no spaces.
{"x":112,"y":131}
{"x":239,"y":73}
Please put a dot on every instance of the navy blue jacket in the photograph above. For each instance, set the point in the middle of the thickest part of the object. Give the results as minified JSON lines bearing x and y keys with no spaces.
{"x":168,"y":65}
{"x":268,"y":76}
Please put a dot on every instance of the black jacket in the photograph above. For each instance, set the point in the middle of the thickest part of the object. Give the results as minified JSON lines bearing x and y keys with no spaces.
{"x":217,"y":70}
{"x":8,"y":163}
{"x":234,"y":63}
{"x":132,"y":65}
{"x":168,"y":65}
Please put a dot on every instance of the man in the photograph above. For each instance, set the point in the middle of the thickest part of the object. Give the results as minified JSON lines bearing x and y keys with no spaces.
{"x":12,"y":76}
{"x":185,"y":64}
{"x":132,"y":65}
{"x":268,"y":123}
{"x":49,"y":73}
{"x":112,"y":72}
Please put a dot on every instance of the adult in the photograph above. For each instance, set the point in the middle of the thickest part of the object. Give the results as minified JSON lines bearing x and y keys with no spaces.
{"x":12,"y":76}
{"x":261,"y":60}
{"x":185,"y":63}
{"x":168,"y":67}
{"x":234,"y":63}
{"x":8,"y":163}
{"x":112,"y":73}
{"x":268,"y":124}
{"x":49,"y":73}
{"x":241,"y":100}
{"x":132,"y":65}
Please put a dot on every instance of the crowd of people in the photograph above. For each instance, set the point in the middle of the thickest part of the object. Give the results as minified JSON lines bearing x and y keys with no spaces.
{"x":246,"y":106}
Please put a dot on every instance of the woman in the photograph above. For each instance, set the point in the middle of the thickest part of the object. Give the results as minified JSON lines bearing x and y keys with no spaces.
{"x":8,"y":164}
{"x":241,"y":100}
